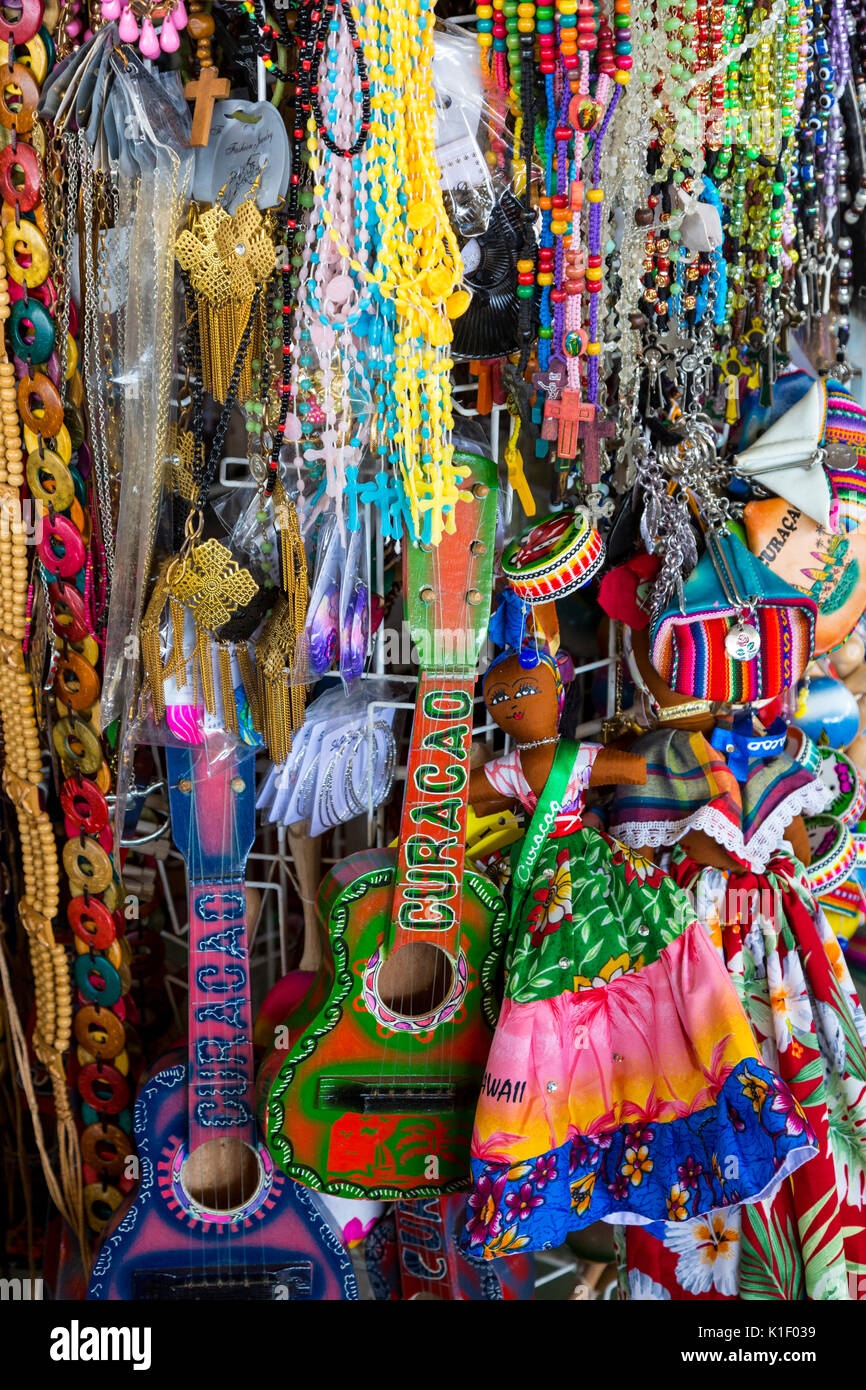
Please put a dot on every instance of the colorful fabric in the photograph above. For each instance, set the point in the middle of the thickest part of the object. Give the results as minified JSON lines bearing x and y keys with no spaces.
{"x":693,"y":660}
{"x":789,"y":971}
{"x":507,"y":776}
{"x":623,"y":1081}
{"x":689,"y":786}
{"x":846,"y":420}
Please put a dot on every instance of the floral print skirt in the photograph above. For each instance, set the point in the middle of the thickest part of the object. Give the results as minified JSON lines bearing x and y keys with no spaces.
{"x":809,"y":1241}
{"x":624,"y":1082}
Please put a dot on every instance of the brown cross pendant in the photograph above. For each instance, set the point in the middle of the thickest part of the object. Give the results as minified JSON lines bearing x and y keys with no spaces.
{"x":204,"y":91}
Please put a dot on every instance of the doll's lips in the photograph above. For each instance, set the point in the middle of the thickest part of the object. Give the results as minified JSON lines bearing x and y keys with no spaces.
{"x":517,"y":714}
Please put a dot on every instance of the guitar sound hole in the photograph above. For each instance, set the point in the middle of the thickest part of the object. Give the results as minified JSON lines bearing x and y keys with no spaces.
{"x":221,"y":1174}
{"x":415,"y":980}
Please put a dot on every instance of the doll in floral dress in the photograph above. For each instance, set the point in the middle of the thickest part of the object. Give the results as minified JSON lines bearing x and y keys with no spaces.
{"x":731,"y":834}
{"x":623,"y":1081}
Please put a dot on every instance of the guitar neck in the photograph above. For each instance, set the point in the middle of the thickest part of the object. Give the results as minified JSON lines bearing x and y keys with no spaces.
{"x":427,"y":1261}
{"x":212,"y":800}
{"x":221,"y":1078}
{"x":429,"y":887}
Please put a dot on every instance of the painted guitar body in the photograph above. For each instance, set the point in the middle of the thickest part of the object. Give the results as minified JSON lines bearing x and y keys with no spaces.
{"x":342,"y":1118}
{"x":279,"y":1247}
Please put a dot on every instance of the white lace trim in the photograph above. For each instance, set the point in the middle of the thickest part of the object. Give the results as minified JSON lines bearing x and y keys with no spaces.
{"x":807,"y":800}
{"x":759,"y":850}
{"x":668,"y":832}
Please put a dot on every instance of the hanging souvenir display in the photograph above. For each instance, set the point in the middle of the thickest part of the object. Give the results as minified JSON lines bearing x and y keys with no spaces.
{"x":433,"y":705}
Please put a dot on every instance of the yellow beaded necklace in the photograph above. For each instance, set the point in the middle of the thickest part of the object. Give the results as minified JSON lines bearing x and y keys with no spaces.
{"x":417,"y":266}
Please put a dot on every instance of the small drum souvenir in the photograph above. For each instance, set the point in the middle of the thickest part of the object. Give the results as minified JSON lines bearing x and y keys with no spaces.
{"x":801,"y":748}
{"x":844,"y":785}
{"x":553,"y":557}
{"x":833,"y":853}
{"x":843,"y":907}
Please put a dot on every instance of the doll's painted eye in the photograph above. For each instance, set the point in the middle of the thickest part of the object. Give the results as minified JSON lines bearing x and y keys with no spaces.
{"x":497,"y":696}
{"x":525,"y":688}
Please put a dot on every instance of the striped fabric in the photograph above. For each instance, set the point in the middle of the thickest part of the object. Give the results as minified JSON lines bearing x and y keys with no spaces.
{"x":846,"y":420}
{"x":689,"y":786}
{"x":691,"y":658}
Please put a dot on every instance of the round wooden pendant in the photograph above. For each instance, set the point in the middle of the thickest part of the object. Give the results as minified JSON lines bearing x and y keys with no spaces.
{"x":111,"y":897}
{"x":87,"y":866}
{"x":67,"y":606}
{"x":97,"y":980}
{"x":25,"y":25}
{"x":100,"y":1204}
{"x":100,"y":1031}
{"x":39,"y":403}
{"x":84,"y":804}
{"x":61,"y":444}
{"x":20,"y":176}
{"x":71,"y":356}
{"x":76,"y":743}
{"x":26,"y":253}
{"x":61,"y":550}
{"x":121,"y":1061}
{"x":19,"y":98}
{"x":31,"y":331}
{"x":91,"y":922}
{"x":46,"y":293}
{"x":37,"y":219}
{"x":104,"y":1087}
{"x":106,"y":1148}
{"x":103,"y":779}
{"x":49,"y":480}
{"x":35,"y":57}
{"x":76,"y":683}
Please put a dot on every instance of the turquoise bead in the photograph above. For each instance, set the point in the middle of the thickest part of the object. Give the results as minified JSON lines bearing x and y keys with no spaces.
{"x":37,"y":344}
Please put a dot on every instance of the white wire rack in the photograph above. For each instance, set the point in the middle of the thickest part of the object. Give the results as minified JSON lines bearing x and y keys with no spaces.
{"x":272,"y":870}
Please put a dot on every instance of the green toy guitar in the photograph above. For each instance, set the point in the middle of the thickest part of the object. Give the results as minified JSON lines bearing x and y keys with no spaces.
{"x":370,"y":1087}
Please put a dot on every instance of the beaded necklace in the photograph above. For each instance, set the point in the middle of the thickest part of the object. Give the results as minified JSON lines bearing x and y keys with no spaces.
{"x":24,"y":262}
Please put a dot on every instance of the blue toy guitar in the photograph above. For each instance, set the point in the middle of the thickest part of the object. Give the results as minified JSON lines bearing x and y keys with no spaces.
{"x":213,"y":1217}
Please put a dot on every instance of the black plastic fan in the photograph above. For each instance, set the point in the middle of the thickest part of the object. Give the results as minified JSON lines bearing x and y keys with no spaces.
{"x":489,"y":326}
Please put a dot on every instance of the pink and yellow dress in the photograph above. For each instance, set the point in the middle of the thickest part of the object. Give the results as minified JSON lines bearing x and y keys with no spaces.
{"x":623,"y":1082}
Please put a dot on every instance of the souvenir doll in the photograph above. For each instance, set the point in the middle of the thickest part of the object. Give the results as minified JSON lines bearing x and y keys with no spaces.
{"x":623,"y":1081}
{"x":722,"y":808}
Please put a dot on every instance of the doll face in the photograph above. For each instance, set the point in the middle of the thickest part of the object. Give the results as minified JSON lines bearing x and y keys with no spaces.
{"x":523,"y":703}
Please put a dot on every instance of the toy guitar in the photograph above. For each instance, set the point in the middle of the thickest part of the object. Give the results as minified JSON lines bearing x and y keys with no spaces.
{"x":371,"y":1087}
{"x":413,"y":1254}
{"x":212,"y":1218}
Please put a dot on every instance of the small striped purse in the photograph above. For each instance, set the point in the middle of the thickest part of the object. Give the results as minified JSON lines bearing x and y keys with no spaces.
{"x":743,"y":635}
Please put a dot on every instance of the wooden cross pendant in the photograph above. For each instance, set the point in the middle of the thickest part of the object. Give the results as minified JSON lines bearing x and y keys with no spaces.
{"x":591,"y":431}
{"x":204,"y":91}
{"x":572,"y":412}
